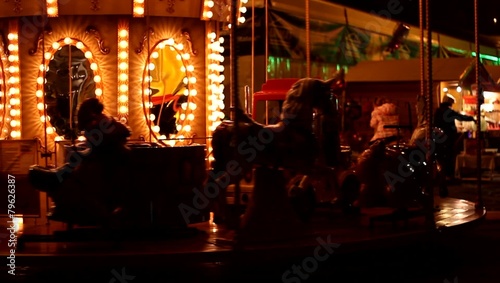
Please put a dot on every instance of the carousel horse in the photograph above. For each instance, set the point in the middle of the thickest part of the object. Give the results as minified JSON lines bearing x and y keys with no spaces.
{"x":307,"y":134}
{"x":396,"y":174}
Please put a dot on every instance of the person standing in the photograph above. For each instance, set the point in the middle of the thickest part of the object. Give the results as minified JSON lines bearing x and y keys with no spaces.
{"x":444,"y":118}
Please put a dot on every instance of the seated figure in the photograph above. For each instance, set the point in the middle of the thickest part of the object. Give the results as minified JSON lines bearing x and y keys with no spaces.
{"x":93,"y":184}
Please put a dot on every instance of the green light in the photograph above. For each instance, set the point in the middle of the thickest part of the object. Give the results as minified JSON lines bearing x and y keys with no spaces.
{"x":487,"y":57}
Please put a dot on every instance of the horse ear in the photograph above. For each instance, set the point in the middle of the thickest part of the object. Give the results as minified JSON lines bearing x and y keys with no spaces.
{"x":339,"y":76}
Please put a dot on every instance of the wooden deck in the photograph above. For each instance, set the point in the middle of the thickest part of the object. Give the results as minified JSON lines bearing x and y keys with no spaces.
{"x":45,"y":243}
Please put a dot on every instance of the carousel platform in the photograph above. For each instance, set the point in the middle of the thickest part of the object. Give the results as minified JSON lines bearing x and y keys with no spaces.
{"x":86,"y":251}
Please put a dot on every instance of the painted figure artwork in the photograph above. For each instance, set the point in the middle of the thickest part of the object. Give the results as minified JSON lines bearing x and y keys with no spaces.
{"x":62,"y":97}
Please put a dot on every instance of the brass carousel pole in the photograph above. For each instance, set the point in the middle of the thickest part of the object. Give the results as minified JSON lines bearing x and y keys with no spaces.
{"x":236,"y":103}
{"x":424,"y":100}
{"x":308,"y":40}
{"x":480,"y":98}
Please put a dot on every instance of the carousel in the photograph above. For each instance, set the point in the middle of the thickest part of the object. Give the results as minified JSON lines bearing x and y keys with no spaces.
{"x":123,"y":123}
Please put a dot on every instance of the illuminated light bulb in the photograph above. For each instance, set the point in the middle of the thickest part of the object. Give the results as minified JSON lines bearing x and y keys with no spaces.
{"x":123,"y":109}
{"x":182,"y":116}
{"x":139,"y":10}
{"x":123,"y":87}
{"x":93,"y":66}
{"x":13,"y":123}
{"x":178,"y":57}
{"x":185,"y":92}
{"x":58,"y":138}
{"x":123,"y":98}
{"x":13,"y":47}
{"x":459,"y":89}
{"x":155,"y":54}
{"x":88,"y":55}
{"x":190,"y":68}
{"x":39,"y":93}
{"x":67,"y":40}
{"x":192,"y":80}
{"x":40,"y":106}
{"x":123,"y":77}
{"x":81,"y":138}
{"x":210,"y":4}
{"x":12,"y":36}
{"x":41,"y":67}
{"x":193,"y":92}
{"x":123,"y":66}
{"x":445,"y":89}
{"x":190,"y":117}
{"x":1,"y":95}
{"x":222,"y":115}
{"x":123,"y":33}
{"x":98,"y":91}
{"x":243,"y":9}
{"x":209,"y":14}
{"x":156,"y":129}
{"x":184,"y":106}
{"x":39,"y":80}
{"x":192,"y":106}
{"x":80,"y":45}
{"x":14,"y":134}
{"x":187,"y":128}
{"x":123,"y":44}
{"x":50,"y":130}
{"x":162,"y":137}
{"x":56,"y":45}
{"x":47,"y":55}
{"x":152,"y":117}
{"x":151,"y":66}
{"x":42,"y":118}
{"x":185,"y":80}
{"x":186,"y":56}
{"x":123,"y":55}
{"x":241,"y":20}
{"x":170,"y":41}
{"x":97,"y":78}
{"x":12,"y":58}
{"x":178,"y":127}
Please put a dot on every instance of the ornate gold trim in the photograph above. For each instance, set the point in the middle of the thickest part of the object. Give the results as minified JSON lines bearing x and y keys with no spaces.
{"x":94,"y":6}
{"x":4,"y":43}
{"x":187,"y":38}
{"x":100,"y":41}
{"x":38,"y":42}
{"x":150,"y":31}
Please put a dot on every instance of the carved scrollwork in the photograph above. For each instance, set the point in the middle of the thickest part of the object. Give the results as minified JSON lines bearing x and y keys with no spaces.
{"x":187,"y":38}
{"x":17,"y":6}
{"x":95,"y":5}
{"x":3,"y":43}
{"x":39,"y":40}
{"x":148,"y":33}
{"x":100,"y":41}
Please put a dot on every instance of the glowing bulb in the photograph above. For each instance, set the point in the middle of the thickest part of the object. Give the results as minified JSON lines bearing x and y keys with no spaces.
{"x":123,"y":33}
{"x":67,"y":40}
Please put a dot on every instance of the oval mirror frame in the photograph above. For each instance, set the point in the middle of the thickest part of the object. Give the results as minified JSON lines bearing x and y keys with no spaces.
{"x":4,"y":130}
{"x":42,"y":80}
{"x":167,"y":93}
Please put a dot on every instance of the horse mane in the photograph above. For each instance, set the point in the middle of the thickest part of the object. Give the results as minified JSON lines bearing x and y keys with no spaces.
{"x":305,"y":95}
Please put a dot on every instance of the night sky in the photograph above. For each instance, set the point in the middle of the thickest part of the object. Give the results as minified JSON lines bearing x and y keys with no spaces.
{"x":454,"y":18}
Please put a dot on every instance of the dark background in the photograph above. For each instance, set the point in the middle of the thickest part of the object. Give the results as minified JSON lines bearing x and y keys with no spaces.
{"x":454,"y":18}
